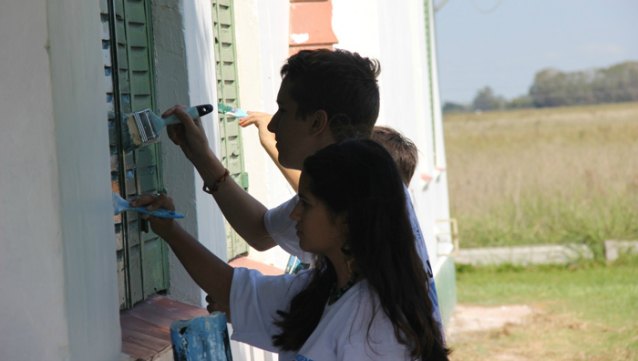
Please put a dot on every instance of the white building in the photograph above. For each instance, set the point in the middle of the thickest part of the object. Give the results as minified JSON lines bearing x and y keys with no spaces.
{"x":67,"y":266}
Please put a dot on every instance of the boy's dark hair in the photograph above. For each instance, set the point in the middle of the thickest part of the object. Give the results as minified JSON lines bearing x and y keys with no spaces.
{"x":402,"y":150}
{"x":342,"y":83}
{"x":359,"y":179}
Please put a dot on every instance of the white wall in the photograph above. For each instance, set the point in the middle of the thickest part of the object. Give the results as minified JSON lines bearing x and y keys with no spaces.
{"x":58,"y":286}
{"x":261,"y":33}
{"x":394,"y":33}
{"x":185,"y":71}
{"x":57,"y":258}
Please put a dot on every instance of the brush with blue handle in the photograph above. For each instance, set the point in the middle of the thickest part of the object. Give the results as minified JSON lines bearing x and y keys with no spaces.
{"x":144,"y":126}
{"x":121,"y":205}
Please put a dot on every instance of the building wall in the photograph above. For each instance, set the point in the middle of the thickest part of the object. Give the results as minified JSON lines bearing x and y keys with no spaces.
{"x":59,"y":290}
{"x":394,"y":33}
{"x":185,"y":71}
{"x":262,"y":48}
{"x":57,"y":251}
{"x":398,"y":34}
{"x":31,"y":253}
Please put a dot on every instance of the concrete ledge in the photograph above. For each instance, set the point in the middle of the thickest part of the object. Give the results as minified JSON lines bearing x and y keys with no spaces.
{"x":523,"y":255}
{"x":613,"y":249}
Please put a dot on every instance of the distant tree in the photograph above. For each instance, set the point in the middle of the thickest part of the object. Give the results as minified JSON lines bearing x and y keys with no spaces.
{"x":548,"y":89}
{"x":523,"y":101}
{"x":618,"y":83}
{"x":486,"y":100}
{"x":450,"y":107}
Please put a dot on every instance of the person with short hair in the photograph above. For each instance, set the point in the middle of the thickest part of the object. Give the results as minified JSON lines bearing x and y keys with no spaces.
{"x":402,"y":150}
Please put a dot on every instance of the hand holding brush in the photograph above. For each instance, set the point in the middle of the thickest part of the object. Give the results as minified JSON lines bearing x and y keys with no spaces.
{"x":191,"y":138}
{"x":121,"y":205}
{"x":189,"y":135}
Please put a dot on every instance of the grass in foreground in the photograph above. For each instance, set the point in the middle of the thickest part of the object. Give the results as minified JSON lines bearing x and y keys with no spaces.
{"x":587,"y":311}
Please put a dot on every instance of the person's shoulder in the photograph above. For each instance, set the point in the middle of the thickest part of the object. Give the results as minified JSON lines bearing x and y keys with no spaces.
{"x":371,"y":332}
{"x":277,"y":220}
{"x":283,"y":207}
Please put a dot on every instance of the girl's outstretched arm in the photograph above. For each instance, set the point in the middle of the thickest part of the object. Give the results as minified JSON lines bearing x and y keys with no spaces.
{"x":211,"y":273}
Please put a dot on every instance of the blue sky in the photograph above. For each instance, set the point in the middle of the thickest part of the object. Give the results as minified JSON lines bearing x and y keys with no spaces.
{"x":503,"y":43}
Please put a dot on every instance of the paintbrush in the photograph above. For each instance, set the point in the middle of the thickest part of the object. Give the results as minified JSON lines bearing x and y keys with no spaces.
{"x":120,"y":205}
{"x":229,"y":110}
{"x":143,"y":127}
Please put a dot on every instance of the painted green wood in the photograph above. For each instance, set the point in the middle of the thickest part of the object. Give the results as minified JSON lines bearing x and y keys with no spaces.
{"x":153,"y":271}
{"x":142,"y":257}
{"x":121,"y":279}
{"x":152,"y":250}
{"x":227,"y":92}
{"x":445,"y":280}
{"x":134,"y":267}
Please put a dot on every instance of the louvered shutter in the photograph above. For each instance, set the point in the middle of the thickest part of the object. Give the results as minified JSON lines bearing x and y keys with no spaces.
{"x":126,"y":42}
{"x":227,"y":92}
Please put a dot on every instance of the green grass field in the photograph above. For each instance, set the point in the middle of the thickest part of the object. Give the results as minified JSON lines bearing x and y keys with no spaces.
{"x":548,"y":176}
{"x":583,"y":312}
{"x":556,"y":175}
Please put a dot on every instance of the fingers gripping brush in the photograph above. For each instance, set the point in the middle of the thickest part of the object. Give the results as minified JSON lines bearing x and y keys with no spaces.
{"x":120,"y":205}
{"x":229,"y":110}
{"x":144,"y":126}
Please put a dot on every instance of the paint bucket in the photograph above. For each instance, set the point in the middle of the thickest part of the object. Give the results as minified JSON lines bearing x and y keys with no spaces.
{"x":201,"y":339}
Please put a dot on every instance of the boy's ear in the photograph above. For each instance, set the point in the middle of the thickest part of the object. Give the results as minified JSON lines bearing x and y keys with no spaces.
{"x":319,"y":122}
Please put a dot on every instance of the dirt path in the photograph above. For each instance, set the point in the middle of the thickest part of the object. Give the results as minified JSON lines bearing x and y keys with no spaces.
{"x":470,"y":324}
{"x":531,"y":333}
{"x":467,"y":318}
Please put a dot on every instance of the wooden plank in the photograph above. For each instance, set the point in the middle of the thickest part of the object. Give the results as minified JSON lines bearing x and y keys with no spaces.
{"x":146,"y":327}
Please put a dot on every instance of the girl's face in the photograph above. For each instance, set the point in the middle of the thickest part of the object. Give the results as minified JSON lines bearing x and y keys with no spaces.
{"x":319,"y":231}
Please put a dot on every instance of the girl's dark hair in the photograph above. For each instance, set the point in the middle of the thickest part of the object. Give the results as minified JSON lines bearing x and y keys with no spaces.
{"x":360,"y":179}
{"x":342,"y":83}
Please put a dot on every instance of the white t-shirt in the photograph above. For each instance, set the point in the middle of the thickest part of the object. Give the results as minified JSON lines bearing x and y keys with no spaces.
{"x":282,"y":230}
{"x":342,"y":332}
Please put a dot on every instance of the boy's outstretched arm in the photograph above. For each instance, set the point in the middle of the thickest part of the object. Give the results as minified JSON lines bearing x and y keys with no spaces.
{"x":244,"y":213}
{"x":267,"y":140}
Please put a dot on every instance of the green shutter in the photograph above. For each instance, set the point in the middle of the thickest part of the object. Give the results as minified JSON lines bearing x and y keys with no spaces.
{"x":142,"y":258}
{"x":227,"y":92}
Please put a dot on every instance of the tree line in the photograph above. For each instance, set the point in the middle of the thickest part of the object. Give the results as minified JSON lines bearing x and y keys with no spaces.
{"x":554,"y":88}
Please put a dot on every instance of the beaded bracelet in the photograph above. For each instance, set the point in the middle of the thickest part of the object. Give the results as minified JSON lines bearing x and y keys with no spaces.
{"x":212,"y":189}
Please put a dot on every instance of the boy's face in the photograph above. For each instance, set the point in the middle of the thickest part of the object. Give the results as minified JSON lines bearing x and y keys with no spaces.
{"x":294,"y":136}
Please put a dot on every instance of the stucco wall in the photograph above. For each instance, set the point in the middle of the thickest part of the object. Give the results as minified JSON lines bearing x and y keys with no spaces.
{"x":394,"y":33}
{"x":57,"y":257}
{"x":31,"y":250}
{"x":57,"y":262}
{"x":261,"y":32}
{"x":185,"y":72}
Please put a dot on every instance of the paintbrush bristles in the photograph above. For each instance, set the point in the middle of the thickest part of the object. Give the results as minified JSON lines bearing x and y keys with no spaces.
{"x":141,"y":128}
{"x":144,"y":127}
